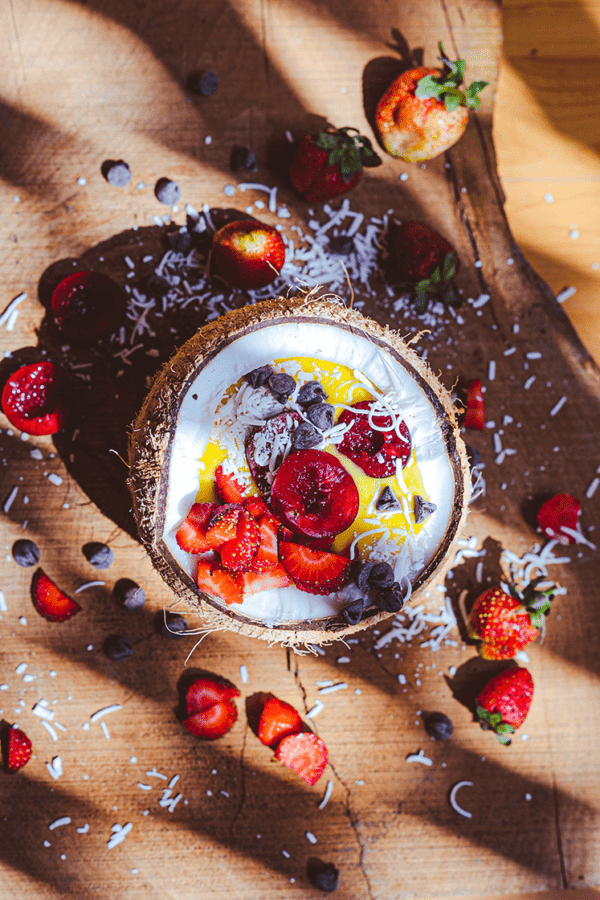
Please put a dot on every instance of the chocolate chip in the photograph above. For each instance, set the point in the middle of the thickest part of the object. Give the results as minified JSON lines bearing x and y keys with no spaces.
{"x":99,"y":555}
{"x":26,"y":553}
{"x":382,"y":575}
{"x":474,"y":455}
{"x":423,"y":509}
{"x":438,"y":726}
{"x":341,"y":246}
{"x":129,"y":594}
{"x":324,"y":876}
{"x":387,"y":500}
{"x":156,"y":286}
{"x":311,"y":392}
{"x":305,"y":436}
{"x":116,"y":172}
{"x":352,"y":614}
{"x":361,"y":572}
{"x":259,"y":377}
{"x":390,"y":599}
{"x":180,"y":241}
{"x":281,"y":386}
{"x":243,"y":159}
{"x":203,"y":83}
{"x":174,"y":627}
{"x":117,"y":647}
{"x":321,"y":415}
{"x":167,"y":191}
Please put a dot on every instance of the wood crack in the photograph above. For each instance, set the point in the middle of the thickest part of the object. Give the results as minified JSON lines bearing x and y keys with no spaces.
{"x":559,"y":843}
{"x":242,"y":801}
{"x":354,"y":823}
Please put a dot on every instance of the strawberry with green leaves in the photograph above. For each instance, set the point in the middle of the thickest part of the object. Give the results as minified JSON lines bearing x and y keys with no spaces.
{"x":505,"y":621}
{"x":330,"y":163}
{"x":425,"y":111}
{"x":504,"y":702}
{"x":427,"y":264}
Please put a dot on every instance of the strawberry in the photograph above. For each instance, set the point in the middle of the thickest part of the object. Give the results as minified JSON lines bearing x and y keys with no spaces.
{"x":210,"y":707}
{"x":255,"y":582}
{"x":18,"y":750}
{"x":277,"y":720}
{"x":228,"y":488}
{"x":216,"y":581}
{"x":557,"y":514}
{"x":305,"y":754}
{"x":191,"y":535}
{"x":330,"y":163}
{"x":256,"y":506}
{"x":505,"y":623}
{"x":88,"y":306}
{"x":475,"y":414}
{"x":504,"y":702}
{"x":248,"y":254}
{"x":222,"y":526}
{"x":32,"y":398}
{"x":238,"y":553}
{"x":426,"y":263}
{"x":375,"y":442}
{"x":315,"y":571}
{"x":424,"y":111}
{"x":267,"y":556}
{"x":50,"y":601}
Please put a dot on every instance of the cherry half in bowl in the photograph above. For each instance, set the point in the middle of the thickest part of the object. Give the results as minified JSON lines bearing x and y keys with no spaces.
{"x":88,"y":306}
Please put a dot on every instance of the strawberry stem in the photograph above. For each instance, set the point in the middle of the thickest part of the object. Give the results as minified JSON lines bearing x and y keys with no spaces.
{"x":446,"y":86}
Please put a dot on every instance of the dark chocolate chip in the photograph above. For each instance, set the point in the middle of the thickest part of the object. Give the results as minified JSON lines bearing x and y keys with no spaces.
{"x":474,"y":455}
{"x":117,"y":647}
{"x":99,"y":555}
{"x":361,"y":572}
{"x":242,"y":158}
{"x":156,"y":286}
{"x":305,"y":436}
{"x":387,"y":500}
{"x":259,"y":377}
{"x":116,"y":172}
{"x":324,"y":876}
{"x":167,"y":191}
{"x":26,"y":553}
{"x":438,"y":726}
{"x":281,"y":386}
{"x":390,"y":599}
{"x":341,"y":246}
{"x":174,"y":627}
{"x":203,"y":83}
{"x":180,"y":241}
{"x":321,"y":415}
{"x":423,"y":508}
{"x":129,"y":594}
{"x":381,"y":576}
{"x":311,"y":392}
{"x":352,"y":614}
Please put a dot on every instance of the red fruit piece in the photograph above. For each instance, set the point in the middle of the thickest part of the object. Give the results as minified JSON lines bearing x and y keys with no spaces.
{"x":216,"y":581}
{"x":314,"y":495}
{"x":507,"y":623}
{"x":18,"y":751}
{"x":268,"y":445}
{"x":504,"y":702}
{"x":374,"y":442}
{"x":88,"y":306}
{"x":277,"y":720}
{"x":32,"y":398}
{"x":305,"y":754}
{"x":427,"y":262}
{"x":255,"y":582}
{"x":328,"y":164}
{"x":191,"y":535}
{"x":248,"y":254}
{"x":211,"y":709}
{"x":256,"y":506}
{"x":237,"y":554}
{"x":315,"y":571}
{"x":228,"y":488}
{"x":556,"y":514}
{"x":475,"y":414}
{"x":223,"y":524}
{"x":50,"y":601}
{"x":267,"y":556}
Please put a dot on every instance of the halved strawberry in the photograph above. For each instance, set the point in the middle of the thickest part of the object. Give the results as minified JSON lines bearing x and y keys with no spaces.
{"x":223,"y":524}
{"x":556,"y":514}
{"x":313,"y":570}
{"x":328,"y":587}
{"x":32,"y":398}
{"x":256,"y":506}
{"x":255,"y":582}
{"x":18,"y":750}
{"x":237,"y":554}
{"x":228,"y":488}
{"x":277,"y":720}
{"x":475,"y":414}
{"x":266,"y":556}
{"x":191,"y":535}
{"x":216,"y":581}
{"x":50,"y":601}
{"x":305,"y":754}
{"x":210,"y":707}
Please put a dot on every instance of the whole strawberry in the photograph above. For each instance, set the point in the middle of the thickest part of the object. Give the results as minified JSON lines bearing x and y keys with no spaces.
{"x":503,"y":704}
{"x":558,"y":518}
{"x":330,"y":163}
{"x":424,"y":111}
{"x":248,"y":254}
{"x":426,"y":263}
{"x":506,"y":621}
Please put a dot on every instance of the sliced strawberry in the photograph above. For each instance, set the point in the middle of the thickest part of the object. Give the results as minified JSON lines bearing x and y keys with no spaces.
{"x":266,"y":556}
{"x":50,"y":601}
{"x":228,"y":488}
{"x":191,"y":535}
{"x":559,"y":512}
{"x":305,"y":754}
{"x":210,"y":707}
{"x":18,"y":751}
{"x":314,"y":568}
{"x":277,"y":720}
{"x":223,"y":524}
{"x":216,"y":581}
{"x":255,"y":582}
{"x":475,"y":414}
{"x":328,"y":587}
{"x":237,"y":554}
{"x":32,"y":398}
{"x":256,"y":506}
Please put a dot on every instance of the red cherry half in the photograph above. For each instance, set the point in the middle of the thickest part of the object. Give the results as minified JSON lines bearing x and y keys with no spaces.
{"x":88,"y":306}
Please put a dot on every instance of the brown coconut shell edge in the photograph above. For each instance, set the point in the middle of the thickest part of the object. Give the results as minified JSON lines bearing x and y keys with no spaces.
{"x":151,"y":437}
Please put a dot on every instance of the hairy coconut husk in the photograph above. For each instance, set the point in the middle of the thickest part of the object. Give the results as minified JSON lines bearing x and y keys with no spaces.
{"x":153,"y":430}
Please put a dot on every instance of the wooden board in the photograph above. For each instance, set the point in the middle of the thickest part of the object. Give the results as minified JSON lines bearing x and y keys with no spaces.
{"x":86,"y":82}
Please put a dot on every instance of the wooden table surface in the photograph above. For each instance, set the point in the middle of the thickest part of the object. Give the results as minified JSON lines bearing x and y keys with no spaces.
{"x":83,"y":82}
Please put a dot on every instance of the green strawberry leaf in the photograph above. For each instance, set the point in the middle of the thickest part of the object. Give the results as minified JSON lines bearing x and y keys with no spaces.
{"x":450,"y":297}
{"x":435,"y":276}
{"x":449,"y":266}
{"x":475,"y":87}
{"x":350,"y":162}
{"x":504,"y":739}
{"x":505,"y":728}
{"x":537,"y":620}
{"x":495,"y":721}
{"x":335,"y":156}
{"x":367,"y":155}
{"x":429,"y":86}
{"x":326,"y":141}
{"x":483,"y":714}
{"x":453,"y":99}
{"x":473,"y":103}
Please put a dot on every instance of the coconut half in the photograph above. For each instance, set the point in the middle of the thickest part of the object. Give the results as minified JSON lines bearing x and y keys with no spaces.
{"x":175,"y":424}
